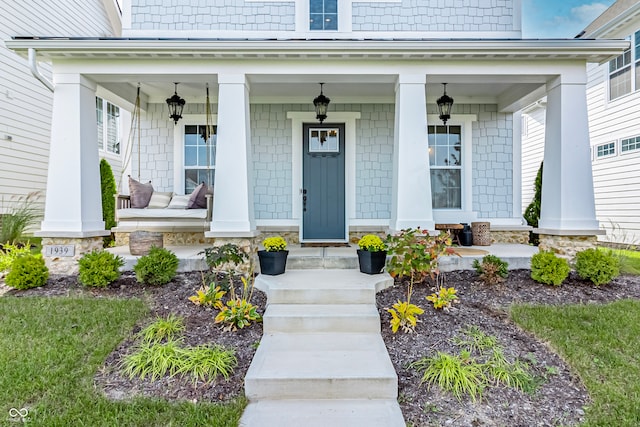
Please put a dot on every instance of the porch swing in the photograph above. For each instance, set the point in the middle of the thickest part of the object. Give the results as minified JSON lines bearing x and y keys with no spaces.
{"x":163,"y":211}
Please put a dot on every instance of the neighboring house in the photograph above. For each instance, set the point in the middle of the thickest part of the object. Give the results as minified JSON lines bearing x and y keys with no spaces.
{"x":382,"y":160}
{"x":26,"y":107}
{"x":613,"y":101}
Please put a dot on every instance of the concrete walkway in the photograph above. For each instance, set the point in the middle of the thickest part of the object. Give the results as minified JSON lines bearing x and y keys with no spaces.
{"x":321,"y":361}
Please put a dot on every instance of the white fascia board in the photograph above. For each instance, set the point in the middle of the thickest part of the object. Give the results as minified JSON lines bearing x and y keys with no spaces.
{"x":588,"y":50}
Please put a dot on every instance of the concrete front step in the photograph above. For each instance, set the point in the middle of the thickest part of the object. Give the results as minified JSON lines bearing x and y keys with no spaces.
{"x":321,"y":366}
{"x":323,"y":413}
{"x":303,"y":318}
{"x":323,"y":287}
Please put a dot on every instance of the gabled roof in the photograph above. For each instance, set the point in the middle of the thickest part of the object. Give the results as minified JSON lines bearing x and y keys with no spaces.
{"x":618,"y":15}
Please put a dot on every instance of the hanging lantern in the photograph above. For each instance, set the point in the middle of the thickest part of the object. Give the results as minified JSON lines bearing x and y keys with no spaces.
{"x":445,"y":103}
{"x":321,"y":103}
{"x":176,"y":104}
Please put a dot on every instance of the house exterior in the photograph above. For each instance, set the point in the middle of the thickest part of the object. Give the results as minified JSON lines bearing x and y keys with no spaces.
{"x":381,"y":161}
{"x":26,"y":110}
{"x":613,"y":102}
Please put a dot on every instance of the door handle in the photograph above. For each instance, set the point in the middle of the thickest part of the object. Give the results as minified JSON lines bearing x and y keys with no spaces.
{"x":304,"y":200}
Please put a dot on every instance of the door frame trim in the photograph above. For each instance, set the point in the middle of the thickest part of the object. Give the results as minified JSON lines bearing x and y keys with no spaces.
{"x":298,"y":118}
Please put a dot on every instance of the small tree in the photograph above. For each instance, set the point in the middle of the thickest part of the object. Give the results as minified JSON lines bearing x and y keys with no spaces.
{"x":532,"y":213}
{"x":108,"y":189}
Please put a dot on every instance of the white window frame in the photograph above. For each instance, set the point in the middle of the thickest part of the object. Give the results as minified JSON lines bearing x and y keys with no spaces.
{"x":636,"y":142}
{"x":634,"y":61}
{"x":104,"y":146}
{"x":465,"y":121}
{"x":605,"y":156}
{"x":178,"y":146}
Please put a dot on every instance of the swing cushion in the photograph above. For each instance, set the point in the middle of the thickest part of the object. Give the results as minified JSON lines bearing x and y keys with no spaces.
{"x":159,"y":200}
{"x":140,"y":193}
{"x":198,"y":198}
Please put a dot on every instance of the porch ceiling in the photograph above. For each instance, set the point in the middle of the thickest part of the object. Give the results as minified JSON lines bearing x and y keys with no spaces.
{"x":340,"y":88}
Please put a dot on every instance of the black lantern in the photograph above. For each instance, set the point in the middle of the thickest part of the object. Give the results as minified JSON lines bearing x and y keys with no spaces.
{"x":444,"y":105}
{"x":321,"y":103}
{"x":176,"y":104}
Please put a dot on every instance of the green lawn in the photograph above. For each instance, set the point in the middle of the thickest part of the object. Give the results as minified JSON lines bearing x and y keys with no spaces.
{"x":602,"y":344}
{"x":50,"y":349}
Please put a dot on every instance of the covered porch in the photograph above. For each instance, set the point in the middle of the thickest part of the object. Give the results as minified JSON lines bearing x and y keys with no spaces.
{"x":401,"y":166}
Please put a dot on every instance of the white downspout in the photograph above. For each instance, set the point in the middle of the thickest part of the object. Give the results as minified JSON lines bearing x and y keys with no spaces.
{"x":33,"y":65}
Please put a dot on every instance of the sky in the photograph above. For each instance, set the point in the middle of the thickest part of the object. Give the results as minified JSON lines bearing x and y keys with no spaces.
{"x":559,"y":18}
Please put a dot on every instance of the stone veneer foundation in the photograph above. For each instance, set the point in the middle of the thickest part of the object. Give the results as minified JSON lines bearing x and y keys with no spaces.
{"x":510,"y":236}
{"x":69,"y":265}
{"x":567,"y":246}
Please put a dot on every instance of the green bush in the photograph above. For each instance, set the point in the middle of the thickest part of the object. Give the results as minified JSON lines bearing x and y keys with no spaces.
{"x":157,"y":268}
{"x":532,"y":213}
{"x":492,"y":270}
{"x":10,"y":253}
{"x":597,"y":266}
{"x":27,"y":271}
{"x":99,"y":268}
{"x":549,"y":269}
{"x":108,"y":190}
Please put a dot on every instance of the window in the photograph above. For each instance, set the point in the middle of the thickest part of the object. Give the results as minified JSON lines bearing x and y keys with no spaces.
{"x":108,"y":122}
{"x":637,"y":55}
{"x":323,"y":15}
{"x":620,"y":75}
{"x":605,"y":150}
{"x":445,"y":161}
{"x":630,"y":144}
{"x":199,"y":157}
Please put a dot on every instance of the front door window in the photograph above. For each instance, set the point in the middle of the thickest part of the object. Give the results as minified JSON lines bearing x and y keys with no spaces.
{"x":323,"y":15}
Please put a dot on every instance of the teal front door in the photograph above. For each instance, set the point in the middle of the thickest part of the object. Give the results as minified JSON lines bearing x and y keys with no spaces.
{"x":323,"y":181}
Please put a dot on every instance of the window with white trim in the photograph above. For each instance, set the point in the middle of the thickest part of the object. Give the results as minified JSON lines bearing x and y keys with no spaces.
{"x":606,"y":150}
{"x":323,"y":15}
{"x":108,"y":122}
{"x":199,"y":157}
{"x":630,"y":144}
{"x":445,"y":161}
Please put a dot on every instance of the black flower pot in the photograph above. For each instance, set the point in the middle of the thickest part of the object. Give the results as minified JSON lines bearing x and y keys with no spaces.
{"x":371,"y":262}
{"x":272,"y":263}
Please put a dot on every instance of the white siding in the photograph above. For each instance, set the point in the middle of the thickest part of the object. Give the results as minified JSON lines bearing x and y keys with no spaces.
{"x":616,"y":182}
{"x":25,"y":110}
{"x":532,"y":151}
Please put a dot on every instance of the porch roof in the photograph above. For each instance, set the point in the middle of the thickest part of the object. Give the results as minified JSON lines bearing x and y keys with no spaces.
{"x":587,"y":50}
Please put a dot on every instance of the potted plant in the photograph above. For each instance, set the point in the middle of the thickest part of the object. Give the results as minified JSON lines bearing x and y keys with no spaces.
{"x":273,"y":259}
{"x":372,"y":254}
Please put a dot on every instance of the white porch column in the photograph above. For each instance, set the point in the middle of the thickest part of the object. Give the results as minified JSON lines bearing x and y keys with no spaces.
{"x":568,"y":203}
{"x":233,"y":194}
{"x":73,"y":206}
{"x":411,"y":193}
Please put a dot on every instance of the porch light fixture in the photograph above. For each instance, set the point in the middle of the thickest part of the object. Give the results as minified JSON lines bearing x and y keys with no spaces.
{"x":176,"y":104}
{"x":321,"y":103}
{"x":444,"y":105}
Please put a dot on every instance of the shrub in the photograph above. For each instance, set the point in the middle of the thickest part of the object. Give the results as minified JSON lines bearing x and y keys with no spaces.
{"x":492,"y":270}
{"x":10,"y":253}
{"x":404,"y":315}
{"x":274,"y":244}
{"x":27,"y":271}
{"x":108,"y":190}
{"x":443,"y":298}
{"x":414,"y":253}
{"x":597,"y":266}
{"x":99,"y":268}
{"x":371,"y":243}
{"x":157,"y":268}
{"x":549,"y":269}
{"x":238,"y":312}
